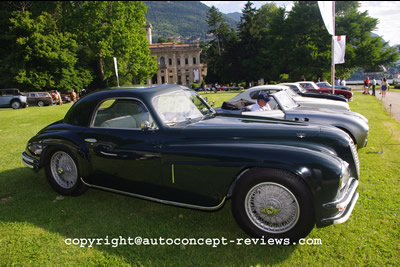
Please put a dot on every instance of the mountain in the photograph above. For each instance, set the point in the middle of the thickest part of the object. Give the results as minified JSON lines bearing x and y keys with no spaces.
{"x":187,"y":19}
{"x":235,"y":15}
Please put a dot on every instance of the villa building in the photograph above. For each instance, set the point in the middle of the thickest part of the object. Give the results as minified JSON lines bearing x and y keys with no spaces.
{"x":178,"y":63}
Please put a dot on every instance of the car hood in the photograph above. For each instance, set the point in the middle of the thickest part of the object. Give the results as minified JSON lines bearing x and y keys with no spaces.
{"x":322,"y":103}
{"x":238,"y":129}
{"x":238,"y":126}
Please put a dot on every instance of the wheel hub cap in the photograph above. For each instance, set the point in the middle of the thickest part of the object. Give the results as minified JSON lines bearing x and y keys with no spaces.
{"x":270,"y":211}
{"x":64,"y":170}
{"x":272,"y":207}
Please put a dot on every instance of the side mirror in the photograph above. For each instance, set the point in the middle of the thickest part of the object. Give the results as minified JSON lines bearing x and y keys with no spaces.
{"x":145,"y":126}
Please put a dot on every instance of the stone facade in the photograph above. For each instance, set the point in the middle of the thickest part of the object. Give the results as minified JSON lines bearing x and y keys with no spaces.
{"x":178,"y":63}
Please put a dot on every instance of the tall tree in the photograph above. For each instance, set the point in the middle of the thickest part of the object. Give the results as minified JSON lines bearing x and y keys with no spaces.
{"x":249,"y":35}
{"x":216,"y":50}
{"x":42,"y":58}
{"x":115,"y":29}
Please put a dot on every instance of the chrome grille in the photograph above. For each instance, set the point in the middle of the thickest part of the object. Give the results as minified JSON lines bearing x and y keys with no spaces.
{"x":355,"y":156}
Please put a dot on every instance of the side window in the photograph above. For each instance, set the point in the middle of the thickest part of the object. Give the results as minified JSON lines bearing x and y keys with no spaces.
{"x":121,"y":114}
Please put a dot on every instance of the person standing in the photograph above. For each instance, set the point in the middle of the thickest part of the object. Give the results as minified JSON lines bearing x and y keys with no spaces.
{"x":366,"y":86}
{"x":385,"y":86}
{"x":73,"y":94}
{"x":343,"y":82}
{"x":58,"y":97}
{"x":373,"y":86}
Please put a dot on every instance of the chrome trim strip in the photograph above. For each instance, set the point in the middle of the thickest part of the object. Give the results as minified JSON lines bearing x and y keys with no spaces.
{"x":173,"y":173}
{"x":346,"y":198}
{"x":156,"y":199}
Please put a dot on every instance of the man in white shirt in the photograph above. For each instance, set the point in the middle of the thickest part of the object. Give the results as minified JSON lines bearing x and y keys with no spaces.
{"x":343,"y":82}
{"x":373,"y":86}
{"x":262,"y":103}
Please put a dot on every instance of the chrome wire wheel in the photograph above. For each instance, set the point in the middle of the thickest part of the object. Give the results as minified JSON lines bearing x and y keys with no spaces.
{"x":272,"y":207}
{"x":63,"y":169}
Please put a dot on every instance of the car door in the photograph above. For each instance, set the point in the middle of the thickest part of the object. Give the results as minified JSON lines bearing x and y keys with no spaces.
{"x":124,"y":157}
{"x":31,"y":99}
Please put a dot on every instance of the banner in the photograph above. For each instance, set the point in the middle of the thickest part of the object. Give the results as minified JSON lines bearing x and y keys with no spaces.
{"x":115,"y":66}
{"x":339,"y":48}
{"x":116,"y":70}
{"x":326,"y":9}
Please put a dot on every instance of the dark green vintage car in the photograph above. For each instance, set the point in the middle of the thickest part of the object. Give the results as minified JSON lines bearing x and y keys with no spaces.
{"x":166,"y":144}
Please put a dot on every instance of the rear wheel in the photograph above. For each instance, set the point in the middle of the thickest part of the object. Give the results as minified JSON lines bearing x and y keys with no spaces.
{"x":40,"y":103}
{"x":15,"y":104}
{"x":271,"y":203}
{"x":62,"y":173}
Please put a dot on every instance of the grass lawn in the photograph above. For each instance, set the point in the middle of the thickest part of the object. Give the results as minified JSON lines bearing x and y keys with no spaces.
{"x":35,"y":221}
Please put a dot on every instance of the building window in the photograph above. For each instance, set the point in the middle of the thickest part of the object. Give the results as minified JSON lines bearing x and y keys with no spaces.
{"x":178,"y":61}
{"x":194,"y":61}
{"x":170,"y":61}
{"x":162,"y":62}
{"x":186,"y":61}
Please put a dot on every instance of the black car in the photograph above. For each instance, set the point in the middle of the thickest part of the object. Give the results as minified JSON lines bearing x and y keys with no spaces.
{"x":166,"y":144}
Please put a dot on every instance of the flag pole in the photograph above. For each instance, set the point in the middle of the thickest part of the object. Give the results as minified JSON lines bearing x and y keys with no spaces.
{"x":333,"y":49}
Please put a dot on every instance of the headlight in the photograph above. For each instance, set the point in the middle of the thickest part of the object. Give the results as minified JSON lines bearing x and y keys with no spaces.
{"x":35,"y":149}
{"x":344,"y":175}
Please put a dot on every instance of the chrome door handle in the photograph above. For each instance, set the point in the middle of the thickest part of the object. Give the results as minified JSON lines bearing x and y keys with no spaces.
{"x":90,"y":140}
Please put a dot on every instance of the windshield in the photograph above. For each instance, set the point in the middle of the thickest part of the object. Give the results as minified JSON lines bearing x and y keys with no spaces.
{"x":181,"y":106}
{"x":292,"y":93}
{"x":285,"y":100}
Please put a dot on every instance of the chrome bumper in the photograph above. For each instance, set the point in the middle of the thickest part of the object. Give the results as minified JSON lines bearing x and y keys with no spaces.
{"x":344,"y":205}
{"x":29,"y":161}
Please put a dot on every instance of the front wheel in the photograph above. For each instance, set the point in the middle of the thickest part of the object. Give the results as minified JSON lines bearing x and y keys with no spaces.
{"x":15,"y":104}
{"x":62,"y":173}
{"x":271,"y":203}
{"x":40,"y":104}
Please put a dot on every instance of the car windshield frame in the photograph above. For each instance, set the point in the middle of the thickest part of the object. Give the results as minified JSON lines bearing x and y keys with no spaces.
{"x":181,"y":107}
{"x":284,"y":100}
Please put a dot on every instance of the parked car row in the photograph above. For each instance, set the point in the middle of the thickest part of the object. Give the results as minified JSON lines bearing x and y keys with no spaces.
{"x":15,"y":99}
{"x":314,"y":88}
{"x":166,"y":144}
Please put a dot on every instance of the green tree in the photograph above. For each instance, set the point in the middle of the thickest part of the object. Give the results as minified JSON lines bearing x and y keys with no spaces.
{"x":114,"y":29}
{"x":42,"y":58}
{"x":362,"y":49}
{"x":216,"y":51}
{"x":308,"y":44}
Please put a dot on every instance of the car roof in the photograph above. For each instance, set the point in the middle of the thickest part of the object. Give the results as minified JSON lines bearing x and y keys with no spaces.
{"x":84,"y":107}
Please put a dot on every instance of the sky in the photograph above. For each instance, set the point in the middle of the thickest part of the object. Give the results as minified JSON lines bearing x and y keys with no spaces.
{"x":387,"y":12}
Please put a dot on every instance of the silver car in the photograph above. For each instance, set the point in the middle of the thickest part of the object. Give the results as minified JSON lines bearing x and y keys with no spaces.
{"x":307,"y":102}
{"x":283,"y":107}
{"x":12,"y":98}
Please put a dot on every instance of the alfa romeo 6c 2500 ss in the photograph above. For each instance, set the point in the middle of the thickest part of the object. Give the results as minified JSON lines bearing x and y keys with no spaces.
{"x":166,"y":144}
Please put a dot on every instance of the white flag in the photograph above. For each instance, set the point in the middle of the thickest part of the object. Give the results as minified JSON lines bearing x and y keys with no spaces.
{"x":115,"y":66}
{"x":196,"y":75}
{"x":339,"y":48}
{"x":326,"y":9}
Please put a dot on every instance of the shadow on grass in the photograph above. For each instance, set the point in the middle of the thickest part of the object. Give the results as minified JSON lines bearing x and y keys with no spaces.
{"x":98,"y":214}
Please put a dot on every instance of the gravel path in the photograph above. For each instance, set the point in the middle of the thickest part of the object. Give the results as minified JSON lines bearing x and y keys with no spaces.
{"x":391,"y":101}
